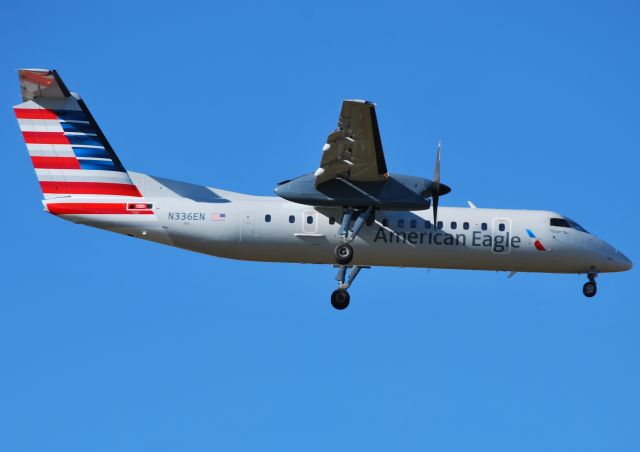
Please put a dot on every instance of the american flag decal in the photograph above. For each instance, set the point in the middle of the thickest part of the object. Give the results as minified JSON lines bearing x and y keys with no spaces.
{"x":218,"y":217}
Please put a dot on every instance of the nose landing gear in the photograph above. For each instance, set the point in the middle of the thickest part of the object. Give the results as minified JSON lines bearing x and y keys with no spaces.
{"x":589,"y":289}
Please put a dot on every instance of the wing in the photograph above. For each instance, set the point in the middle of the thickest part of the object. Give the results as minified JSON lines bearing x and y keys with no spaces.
{"x":354,"y":150}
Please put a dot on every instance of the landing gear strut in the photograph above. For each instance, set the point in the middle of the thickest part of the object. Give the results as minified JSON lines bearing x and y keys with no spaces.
{"x":589,"y":289}
{"x":340,"y":297}
{"x":352,"y":222}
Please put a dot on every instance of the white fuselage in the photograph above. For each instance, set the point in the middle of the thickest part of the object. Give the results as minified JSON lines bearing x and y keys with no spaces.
{"x":237,"y":226}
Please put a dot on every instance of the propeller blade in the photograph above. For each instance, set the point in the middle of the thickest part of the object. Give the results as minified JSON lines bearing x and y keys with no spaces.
{"x":435,"y":187}
{"x":436,"y":171}
{"x":435,"y":210}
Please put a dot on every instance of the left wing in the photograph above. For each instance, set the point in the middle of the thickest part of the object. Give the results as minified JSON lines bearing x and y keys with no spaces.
{"x":354,"y":150}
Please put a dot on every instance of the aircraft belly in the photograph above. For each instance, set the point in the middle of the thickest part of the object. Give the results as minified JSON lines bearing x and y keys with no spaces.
{"x":319,"y":249}
{"x":144,"y":227}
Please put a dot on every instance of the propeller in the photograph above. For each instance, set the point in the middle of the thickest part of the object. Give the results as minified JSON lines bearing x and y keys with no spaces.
{"x":437,"y":189}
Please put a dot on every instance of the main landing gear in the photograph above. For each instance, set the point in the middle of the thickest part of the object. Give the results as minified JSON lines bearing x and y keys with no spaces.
{"x":343,"y":253}
{"x":352,"y":222}
{"x":340,"y":297}
{"x":589,"y":289}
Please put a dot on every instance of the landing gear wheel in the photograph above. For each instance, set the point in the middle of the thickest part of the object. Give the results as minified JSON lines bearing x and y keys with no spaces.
{"x":340,"y":299}
{"x":343,"y":254}
{"x":589,"y":289}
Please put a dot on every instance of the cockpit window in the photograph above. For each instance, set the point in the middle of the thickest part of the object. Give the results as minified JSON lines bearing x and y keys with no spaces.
{"x":560,"y":222}
{"x":566,"y":223}
{"x":575,"y":225}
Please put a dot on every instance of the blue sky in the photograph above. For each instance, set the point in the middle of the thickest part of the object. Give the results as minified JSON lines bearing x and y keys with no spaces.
{"x":108,"y":343}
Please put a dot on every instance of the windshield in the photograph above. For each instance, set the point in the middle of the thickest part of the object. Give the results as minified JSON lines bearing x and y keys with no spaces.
{"x":575,"y":225}
{"x":566,"y":223}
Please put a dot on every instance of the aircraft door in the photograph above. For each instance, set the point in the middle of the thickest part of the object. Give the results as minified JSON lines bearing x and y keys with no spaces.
{"x":247,"y":226}
{"x":501,"y":233}
{"x":309,"y":221}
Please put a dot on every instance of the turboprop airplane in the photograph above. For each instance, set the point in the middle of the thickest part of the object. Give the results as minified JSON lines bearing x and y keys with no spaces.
{"x":351,"y":212}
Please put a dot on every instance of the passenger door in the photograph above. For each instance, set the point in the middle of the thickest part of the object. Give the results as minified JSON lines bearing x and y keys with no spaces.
{"x":247,"y":226}
{"x":309,"y":221}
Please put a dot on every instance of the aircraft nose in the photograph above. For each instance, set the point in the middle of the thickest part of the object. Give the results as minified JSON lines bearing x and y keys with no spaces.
{"x":623,"y":261}
{"x":618,"y":262}
{"x":612,"y":259}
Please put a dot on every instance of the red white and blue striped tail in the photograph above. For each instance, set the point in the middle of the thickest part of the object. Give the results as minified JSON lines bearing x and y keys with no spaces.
{"x":70,"y":154}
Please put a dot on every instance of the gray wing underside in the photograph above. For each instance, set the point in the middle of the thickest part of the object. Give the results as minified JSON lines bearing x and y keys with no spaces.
{"x":354,"y":150}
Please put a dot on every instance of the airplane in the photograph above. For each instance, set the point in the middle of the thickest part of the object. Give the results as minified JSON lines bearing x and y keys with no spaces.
{"x":350,"y":213}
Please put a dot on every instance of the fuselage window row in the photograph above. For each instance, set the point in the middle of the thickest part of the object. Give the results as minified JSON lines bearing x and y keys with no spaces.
{"x":427,"y":224}
{"x":401,"y":223}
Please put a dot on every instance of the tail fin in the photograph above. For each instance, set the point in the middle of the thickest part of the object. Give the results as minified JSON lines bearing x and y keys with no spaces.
{"x":70,"y":154}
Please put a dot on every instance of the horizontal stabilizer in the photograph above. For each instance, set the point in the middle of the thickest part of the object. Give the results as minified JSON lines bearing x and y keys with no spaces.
{"x":41,"y":83}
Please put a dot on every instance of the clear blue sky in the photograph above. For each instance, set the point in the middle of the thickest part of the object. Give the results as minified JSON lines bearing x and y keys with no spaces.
{"x":108,"y":343}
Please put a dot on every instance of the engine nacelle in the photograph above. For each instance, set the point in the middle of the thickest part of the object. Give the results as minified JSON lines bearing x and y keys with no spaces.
{"x":397,"y":192}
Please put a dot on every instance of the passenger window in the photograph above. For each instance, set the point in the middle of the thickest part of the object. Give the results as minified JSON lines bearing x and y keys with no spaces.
{"x":309,"y":219}
{"x":267,"y":218}
{"x":439,"y":225}
{"x":385,"y":222}
{"x":501,"y":227}
{"x":465,"y":225}
{"x":413,"y":223}
{"x":332,"y":220}
{"x":292,"y":219}
{"x":401,"y":223}
{"x":560,"y":222}
{"x":427,"y":224}
{"x":454,"y":225}
{"x":483,"y":226}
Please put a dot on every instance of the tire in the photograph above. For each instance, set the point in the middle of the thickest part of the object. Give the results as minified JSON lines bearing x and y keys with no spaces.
{"x":343,"y":253}
{"x":340,"y":299}
{"x":589,"y":289}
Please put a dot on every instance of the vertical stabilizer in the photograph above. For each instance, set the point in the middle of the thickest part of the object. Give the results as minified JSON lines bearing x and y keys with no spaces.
{"x":70,"y":154}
